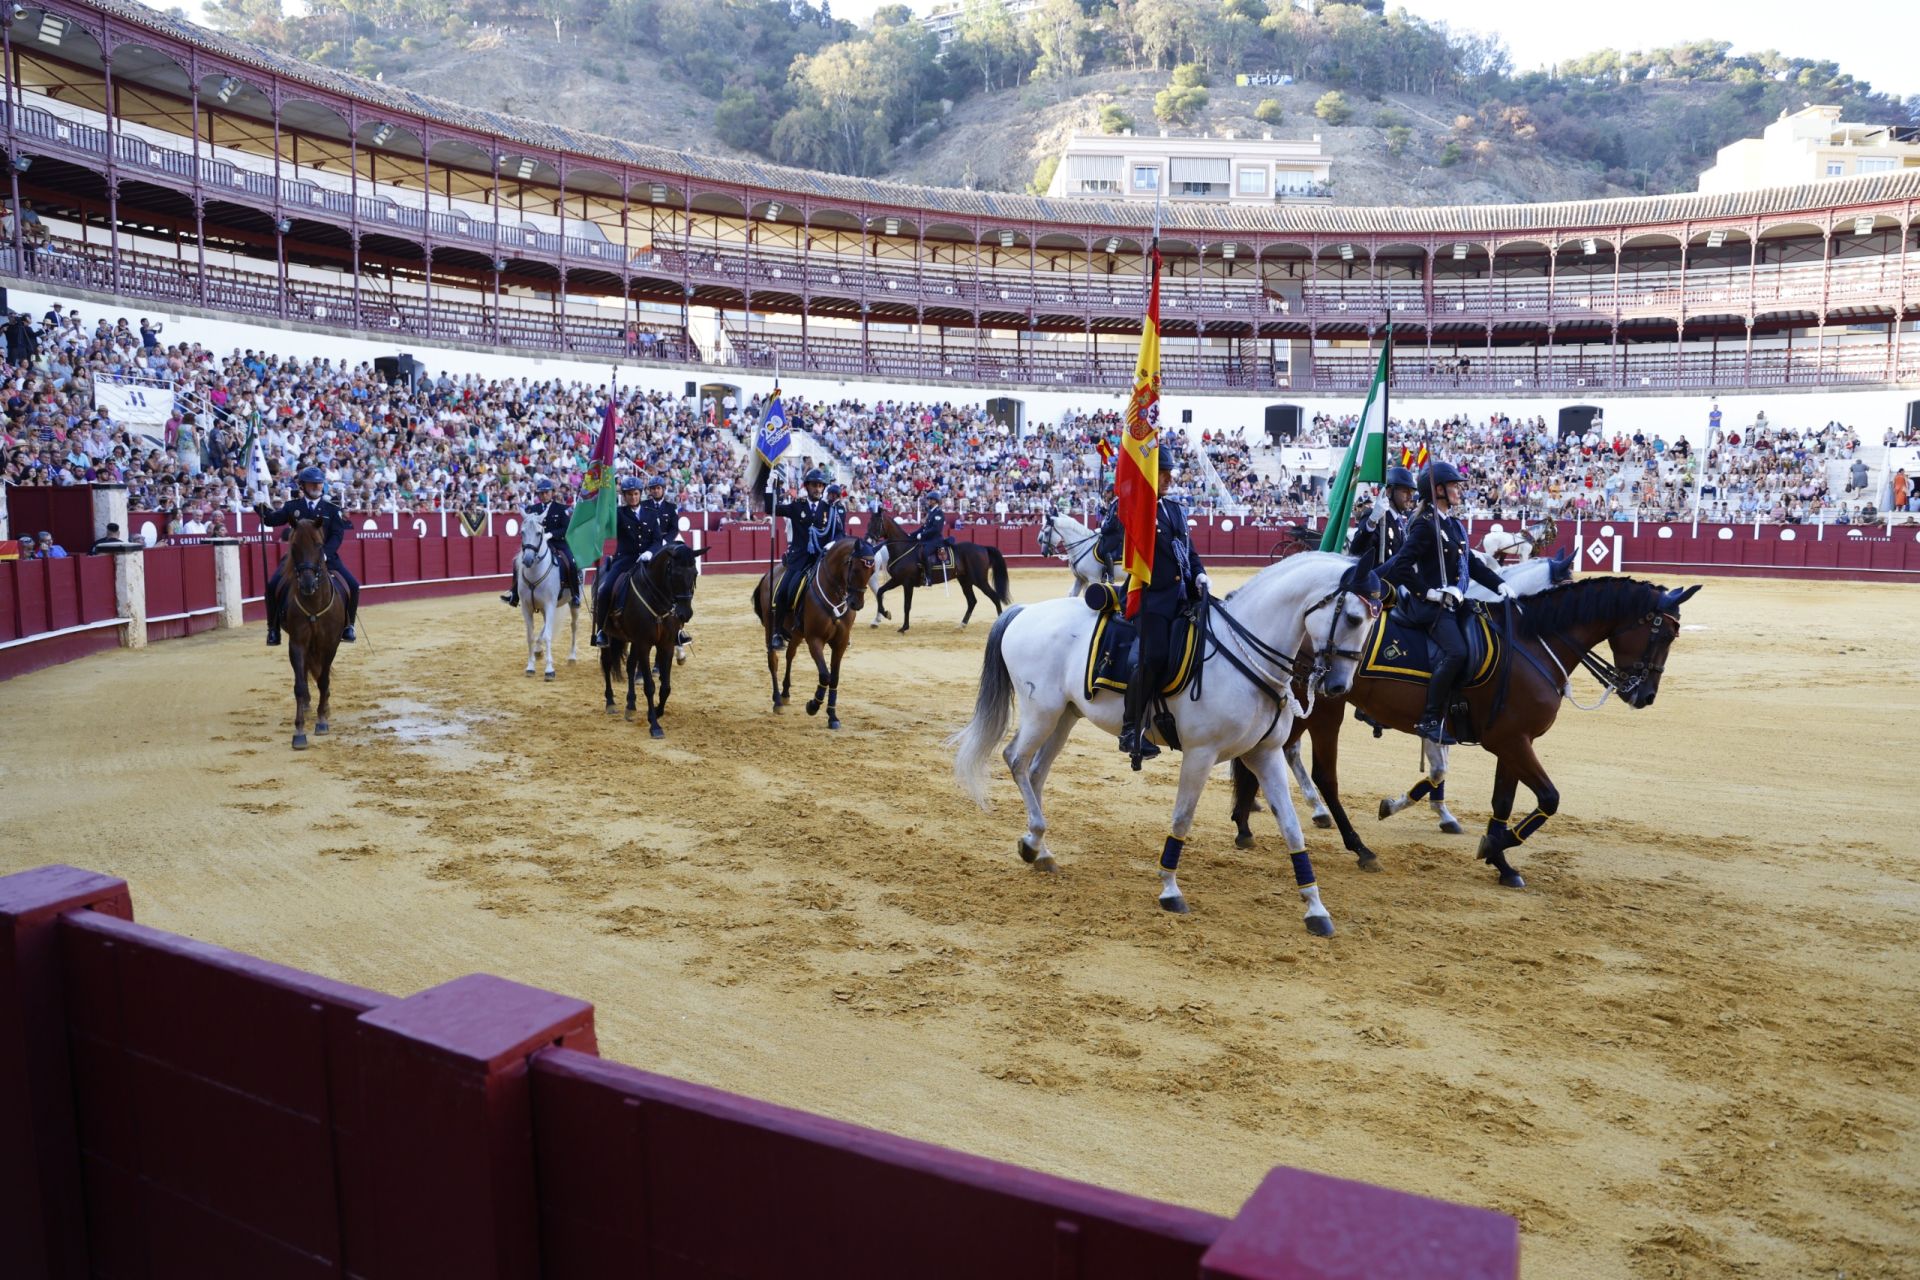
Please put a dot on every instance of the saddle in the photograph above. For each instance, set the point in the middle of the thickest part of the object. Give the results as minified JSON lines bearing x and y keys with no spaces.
{"x":1398,"y":650}
{"x":1110,"y":650}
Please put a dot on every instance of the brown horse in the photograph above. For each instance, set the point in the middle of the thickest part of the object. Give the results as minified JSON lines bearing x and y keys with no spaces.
{"x":644,"y":621}
{"x":908,"y":566}
{"x":315,"y":615}
{"x":835,"y":590}
{"x":1543,"y":640}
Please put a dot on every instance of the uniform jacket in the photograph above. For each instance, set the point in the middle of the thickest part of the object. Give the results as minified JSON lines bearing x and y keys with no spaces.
{"x":1430,"y":559}
{"x":303,"y":508}
{"x":814,"y":522}
{"x":629,"y":531}
{"x":1175,"y":563}
{"x":553,"y":517}
{"x":1374,"y":546}
{"x":659,"y":522}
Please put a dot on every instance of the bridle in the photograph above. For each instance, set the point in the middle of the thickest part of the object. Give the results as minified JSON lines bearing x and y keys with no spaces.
{"x":1661,"y":626}
{"x":838,"y":611}
{"x":1055,"y":543}
{"x":534,"y":552}
{"x":302,"y":570}
{"x":1322,"y":656}
{"x":673,"y":597}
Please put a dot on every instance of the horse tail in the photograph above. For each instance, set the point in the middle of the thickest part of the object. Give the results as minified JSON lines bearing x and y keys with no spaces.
{"x":1245,"y":786}
{"x":992,"y":708}
{"x":1001,"y":586}
{"x":759,"y":612}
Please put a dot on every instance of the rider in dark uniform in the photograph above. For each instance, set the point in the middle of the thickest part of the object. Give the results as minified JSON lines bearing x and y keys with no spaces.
{"x":309,"y":506}
{"x":553,"y":516}
{"x":1382,"y":529}
{"x":1433,"y":564}
{"x":659,"y":525}
{"x":837,"y":503}
{"x":932,"y":534}
{"x":629,"y":538}
{"x":1178,"y":577}
{"x":814,"y":526}
{"x":1112,"y":536}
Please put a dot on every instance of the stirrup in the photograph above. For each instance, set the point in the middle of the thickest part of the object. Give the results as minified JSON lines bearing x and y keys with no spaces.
{"x":1432,"y":728}
{"x":510,"y":598}
{"x":776,"y":642}
{"x":346,"y":634}
{"x":273,"y":639}
{"x":599,"y":640}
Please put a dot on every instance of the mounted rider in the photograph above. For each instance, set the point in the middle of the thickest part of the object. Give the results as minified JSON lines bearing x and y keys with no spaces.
{"x":1383,"y":528}
{"x":935,"y":542}
{"x":1433,"y":564}
{"x":816,"y":522}
{"x":1111,"y":546}
{"x":1178,"y":578}
{"x":552,"y":514}
{"x":309,"y":505}
{"x":629,"y":541}
{"x":659,"y":526}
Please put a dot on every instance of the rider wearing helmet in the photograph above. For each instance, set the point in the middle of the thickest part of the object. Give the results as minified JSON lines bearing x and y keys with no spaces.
{"x":932,"y":534}
{"x":1178,"y":577}
{"x":659,"y":524}
{"x":815,"y":523}
{"x":1381,"y":529}
{"x":309,"y":505}
{"x":1113,"y":536}
{"x":1434,"y":564}
{"x":553,"y":515}
{"x":629,"y":532}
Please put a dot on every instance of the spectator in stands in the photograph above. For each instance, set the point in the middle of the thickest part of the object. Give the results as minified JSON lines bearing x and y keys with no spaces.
{"x":108,"y":539}
{"x":49,"y":549}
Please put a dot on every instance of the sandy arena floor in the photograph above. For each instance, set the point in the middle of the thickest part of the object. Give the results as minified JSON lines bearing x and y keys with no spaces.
{"x":1689,"y":1048}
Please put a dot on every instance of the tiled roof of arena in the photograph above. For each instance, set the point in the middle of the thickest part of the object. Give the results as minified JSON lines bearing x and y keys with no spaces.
{"x":1812,"y":198}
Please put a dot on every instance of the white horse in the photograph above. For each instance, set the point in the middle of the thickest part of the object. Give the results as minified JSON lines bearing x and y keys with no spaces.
{"x":1526,"y":578}
{"x":1519,"y":543}
{"x":1075,"y":543}
{"x":538,"y":568}
{"x":1243,"y":710}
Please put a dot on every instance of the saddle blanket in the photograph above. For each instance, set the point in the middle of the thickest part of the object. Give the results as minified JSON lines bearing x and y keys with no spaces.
{"x":1397,"y":651}
{"x":1111,"y":648}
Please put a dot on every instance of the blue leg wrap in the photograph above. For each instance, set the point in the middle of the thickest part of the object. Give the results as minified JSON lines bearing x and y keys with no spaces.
{"x":1302,"y":869}
{"x":1170,"y":854}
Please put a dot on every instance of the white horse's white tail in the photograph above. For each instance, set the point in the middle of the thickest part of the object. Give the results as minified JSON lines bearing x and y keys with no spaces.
{"x":992,"y":710}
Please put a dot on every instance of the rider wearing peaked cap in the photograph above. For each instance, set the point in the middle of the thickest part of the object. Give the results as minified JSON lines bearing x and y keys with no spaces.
{"x":659,"y":524}
{"x":629,"y":532}
{"x":308,"y":504}
{"x":554,"y":515}
{"x":816,"y":522}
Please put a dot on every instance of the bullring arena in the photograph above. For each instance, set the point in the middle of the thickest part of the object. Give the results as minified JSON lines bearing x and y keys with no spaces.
{"x":1685,"y":1049}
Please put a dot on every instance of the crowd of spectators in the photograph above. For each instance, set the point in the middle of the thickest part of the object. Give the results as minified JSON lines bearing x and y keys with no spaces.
{"x":470,"y":444}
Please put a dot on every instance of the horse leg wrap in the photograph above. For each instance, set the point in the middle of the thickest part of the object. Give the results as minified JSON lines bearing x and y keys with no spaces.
{"x":1498,"y":838}
{"x":1170,"y":853}
{"x":1528,"y":825}
{"x":1302,"y":870}
{"x":1421,"y":790}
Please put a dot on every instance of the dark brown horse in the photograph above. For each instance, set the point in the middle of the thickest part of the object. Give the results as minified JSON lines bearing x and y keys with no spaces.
{"x":909,"y":565}
{"x":315,"y":615}
{"x":1549,"y":635}
{"x":834,"y":592}
{"x":643,"y":624}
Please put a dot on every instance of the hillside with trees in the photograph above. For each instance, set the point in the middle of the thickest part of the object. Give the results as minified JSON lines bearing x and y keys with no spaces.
{"x":1411,"y":111}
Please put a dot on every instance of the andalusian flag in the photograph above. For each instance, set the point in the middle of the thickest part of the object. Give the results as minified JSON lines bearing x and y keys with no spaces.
{"x":1366,"y":460}
{"x":253,"y":459}
{"x":595,"y":515}
{"x":1136,"y":480}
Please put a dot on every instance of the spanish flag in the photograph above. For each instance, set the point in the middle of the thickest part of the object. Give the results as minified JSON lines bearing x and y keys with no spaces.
{"x":1136,"y":478}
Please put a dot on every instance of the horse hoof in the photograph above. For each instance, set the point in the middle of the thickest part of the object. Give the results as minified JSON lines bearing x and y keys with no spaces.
{"x":1386,"y":810}
{"x":571,"y":661}
{"x":813,"y":706}
{"x":1369,"y":860}
{"x":299,"y":742}
{"x":1323,"y":820}
{"x":833,"y":722}
{"x":1026,"y":854}
{"x":529,"y":673}
{"x":1177,"y":904}
{"x":1243,"y":842}
{"x":629,"y":713}
{"x":609,"y":708}
{"x":1511,"y":880}
{"x":550,"y":677}
{"x":320,"y":727}
{"x":1453,"y":828}
{"x":1045,"y":863}
{"x":1320,"y":926}
{"x":656,"y":731}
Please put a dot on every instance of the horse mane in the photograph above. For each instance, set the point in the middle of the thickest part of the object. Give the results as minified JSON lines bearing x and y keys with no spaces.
{"x":1290,"y":564}
{"x":1588,"y":600}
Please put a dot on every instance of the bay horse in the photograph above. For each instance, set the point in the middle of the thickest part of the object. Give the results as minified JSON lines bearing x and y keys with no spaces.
{"x":1544,"y":637}
{"x":315,"y":615}
{"x":643,"y":623}
{"x":1235,"y":707}
{"x":834,"y":593}
{"x":907,"y":566}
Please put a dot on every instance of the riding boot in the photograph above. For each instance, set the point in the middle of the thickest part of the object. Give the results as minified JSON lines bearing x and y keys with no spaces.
{"x":1439,"y":697}
{"x":513,"y":597}
{"x":1133,"y":740}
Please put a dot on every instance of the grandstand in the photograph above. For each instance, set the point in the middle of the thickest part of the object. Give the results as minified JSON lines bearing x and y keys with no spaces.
{"x":165,"y":162}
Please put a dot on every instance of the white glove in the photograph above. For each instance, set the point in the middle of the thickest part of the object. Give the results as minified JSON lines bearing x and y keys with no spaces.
{"x":1453,"y":595}
{"x":1435,"y":595}
{"x":1374,"y":516}
{"x":1200,"y":581}
{"x":645,"y":556}
{"x":1507,"y":592}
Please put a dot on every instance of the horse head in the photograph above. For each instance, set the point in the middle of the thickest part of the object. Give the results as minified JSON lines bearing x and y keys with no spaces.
{"x":1049,"y":536}
{"x":1349,"y":612}
{"x":678,"y":569}
{"x":307,"y":553}
{"x":1648,"y":639}
{"x":858,"y":571}
{"x":533,"y":541}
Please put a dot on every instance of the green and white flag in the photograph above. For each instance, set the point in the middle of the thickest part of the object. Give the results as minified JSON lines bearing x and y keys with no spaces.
{"x":1366,"y":460}
{"x":254,"y":459}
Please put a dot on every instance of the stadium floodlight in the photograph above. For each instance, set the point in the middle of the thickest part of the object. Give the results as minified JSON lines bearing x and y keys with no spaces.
{"x":1346,"y":252}
{"x":1863,"y":225}
{"x":228,"y":88}
{"x":1113,"y":244}
{"x":53,"y":29}
{"x":381,"y":135}
{"x":891,"y":226}
{"x":1227,"y":251}
{"x":1006,"y":239}
{"x":1459,"y":253}
{"x":773,"y":212}
{"x":1590,"y":246}
{"x":658,"y":192}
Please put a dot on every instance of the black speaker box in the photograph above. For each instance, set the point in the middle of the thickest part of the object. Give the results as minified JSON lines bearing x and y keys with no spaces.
{"x":1283,"y":422}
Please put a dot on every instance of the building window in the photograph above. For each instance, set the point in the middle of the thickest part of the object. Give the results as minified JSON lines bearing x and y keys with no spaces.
{"x":1835,"y":168}
{"x":1876,"y":164}
{"x":1203,"y":189}
{"x":1253,"y":182}
{"x":1292,"y":181}
{"x":1146,"y":177}
{"x":1099,"y":186}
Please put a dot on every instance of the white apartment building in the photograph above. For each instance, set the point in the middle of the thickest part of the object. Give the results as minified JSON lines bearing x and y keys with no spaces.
{"x":1809,"y":145}
{"x":1128,"y":166}
{"x":944,"y":18}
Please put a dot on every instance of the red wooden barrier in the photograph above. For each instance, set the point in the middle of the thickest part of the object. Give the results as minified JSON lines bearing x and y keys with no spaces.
{"x":54,"y":611}
{"x":65,"y":511}
{"x":171,"y":1109}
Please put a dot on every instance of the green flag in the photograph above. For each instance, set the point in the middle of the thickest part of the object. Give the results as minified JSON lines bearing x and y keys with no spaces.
{"x":1366,"y":460}
{"x":594,"y":516}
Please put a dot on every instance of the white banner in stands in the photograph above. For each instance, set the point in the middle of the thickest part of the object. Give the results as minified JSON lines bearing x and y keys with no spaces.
{"x":135,"y":404}
{"x":1297,"y":458}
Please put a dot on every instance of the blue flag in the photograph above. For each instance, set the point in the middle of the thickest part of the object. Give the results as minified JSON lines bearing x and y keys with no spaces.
{"x":772,"y":439}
